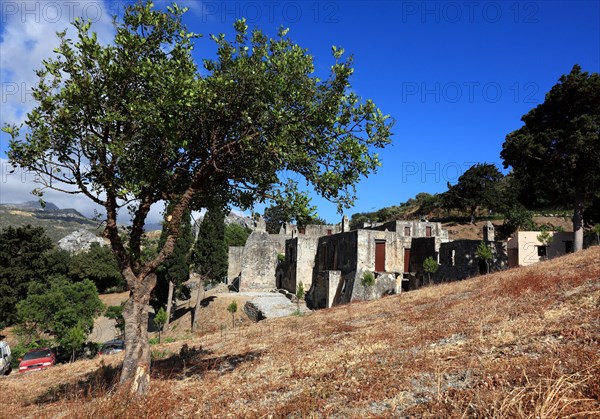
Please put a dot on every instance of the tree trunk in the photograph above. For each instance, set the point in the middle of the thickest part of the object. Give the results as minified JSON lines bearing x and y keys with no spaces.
{"x":578,"y":217}
{"x":169,"y":304}
{"x":136,"y":365}
{"x":197,"y":309}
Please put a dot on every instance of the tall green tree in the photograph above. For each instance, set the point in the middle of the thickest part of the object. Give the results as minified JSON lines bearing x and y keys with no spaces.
{"x":175,"y":270}
{"x":133,"y":123}
{"x":210,"y":250}
{"x":556,"y":153}
{"x":25,"y":256}
{"x":475,"y":189}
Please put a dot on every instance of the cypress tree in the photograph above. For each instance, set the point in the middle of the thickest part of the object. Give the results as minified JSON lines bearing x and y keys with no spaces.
{"x":210,"y":251}
{"x":176,"y":268}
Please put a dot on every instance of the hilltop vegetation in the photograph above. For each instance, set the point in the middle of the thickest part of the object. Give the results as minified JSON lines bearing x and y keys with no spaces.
{"x":519,"y":343}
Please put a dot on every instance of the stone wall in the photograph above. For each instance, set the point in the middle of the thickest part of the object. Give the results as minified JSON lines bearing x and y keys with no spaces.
{"x":421,"y":248}
{"x":234,"y":264}
{"x":259,"y":261}
{"x":458,"y":260}
{"x":300,"y":254}
{"x":365,"y":251}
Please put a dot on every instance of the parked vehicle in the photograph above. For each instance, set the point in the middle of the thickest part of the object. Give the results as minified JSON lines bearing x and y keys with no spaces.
{"x":37,"y":359}
{"x":112,"y":347}
{"x":5,"y":358}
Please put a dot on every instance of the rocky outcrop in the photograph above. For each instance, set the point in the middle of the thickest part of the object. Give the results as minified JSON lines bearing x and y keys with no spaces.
{"x":79,"y":240}
{"x":270,"y":305}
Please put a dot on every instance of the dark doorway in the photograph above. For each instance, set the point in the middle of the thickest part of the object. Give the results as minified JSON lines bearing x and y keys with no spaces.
{"x":406,"y":260}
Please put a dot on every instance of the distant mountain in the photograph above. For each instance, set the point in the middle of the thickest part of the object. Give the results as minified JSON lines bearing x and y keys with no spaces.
{"x":57,"y":222}
{"x":33,"y":206}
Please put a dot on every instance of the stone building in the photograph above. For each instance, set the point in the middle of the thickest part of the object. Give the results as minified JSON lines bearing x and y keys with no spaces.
{"x":524,"y":248}
{"x":457,"y":259}
{"x":253,"y":267}
{"x":331,"y":266}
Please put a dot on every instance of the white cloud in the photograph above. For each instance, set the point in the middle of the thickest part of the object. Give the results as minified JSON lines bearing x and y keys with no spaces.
{"x":28,"y":36}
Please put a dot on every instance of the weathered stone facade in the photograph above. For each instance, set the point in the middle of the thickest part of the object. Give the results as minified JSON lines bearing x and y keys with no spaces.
{"x":340,"y":260}
{"x":458,"y":260}
{"x":330,"y":260}
{"x":255,"y":266}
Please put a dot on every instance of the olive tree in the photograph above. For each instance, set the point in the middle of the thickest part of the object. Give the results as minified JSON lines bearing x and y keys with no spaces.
{"x":136,"y":123}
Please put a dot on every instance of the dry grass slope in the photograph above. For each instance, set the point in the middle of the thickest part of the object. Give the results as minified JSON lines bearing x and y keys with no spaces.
{"x":522,"y":343}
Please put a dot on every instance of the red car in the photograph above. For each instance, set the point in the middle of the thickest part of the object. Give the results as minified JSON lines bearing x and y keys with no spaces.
{"x":37,"y":359}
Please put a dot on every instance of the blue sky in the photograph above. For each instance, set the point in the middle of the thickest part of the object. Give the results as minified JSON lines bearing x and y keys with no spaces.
{"x":456,"y":76}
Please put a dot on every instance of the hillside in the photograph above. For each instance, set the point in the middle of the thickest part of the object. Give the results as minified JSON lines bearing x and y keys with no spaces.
{"x":466,"y":230}
{"x":519,"y":343}
{"x":57,"y":222}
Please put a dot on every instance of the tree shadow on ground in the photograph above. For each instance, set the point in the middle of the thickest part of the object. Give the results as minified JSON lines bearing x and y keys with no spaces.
{"x":193,"y":362}
{"x":94,"y":384}
{"x":187,"y":363}
{"x":206,"y":301}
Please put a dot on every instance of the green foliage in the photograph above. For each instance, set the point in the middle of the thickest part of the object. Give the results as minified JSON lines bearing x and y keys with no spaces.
{"x":160,"y":319}
{"x":596,"y":231}
{"x":210,"y":251}
{"x":484,"y":252}
{"x":475,"y":189}
{"x":62,"y":309}
{"x":545,"y":237}
{"x":280,"y":257}
{"x":24,"y":257}
{"x":232,"y":308}
{"x":297,"y":210}
{"x":99,"y":265}
{"x":134,"y":122}
{"x":299,"y":294}
{"x":236,"y":235}
{"x":300,"y":290}
{"x":116,"y":313}
{"x":72,"y":339}
{"x":518,"y":218}
{"x":555,"y":155}
{"x":430,"y":265}
{"x":367,"y":280}
{"x":176,"y":267}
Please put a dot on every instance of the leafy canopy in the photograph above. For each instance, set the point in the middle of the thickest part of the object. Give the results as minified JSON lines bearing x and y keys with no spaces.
{"x":475,"y":188}
{"x":99,"y":265}
{"x":25,"y":257}
{"x":61,"y":308}
{"x":555,"y":155}
{"x":430,"y":265}
{"x":135,"y":123}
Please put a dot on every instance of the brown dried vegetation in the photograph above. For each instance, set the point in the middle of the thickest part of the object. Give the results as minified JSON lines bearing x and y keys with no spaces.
{"x":521,"y":343}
